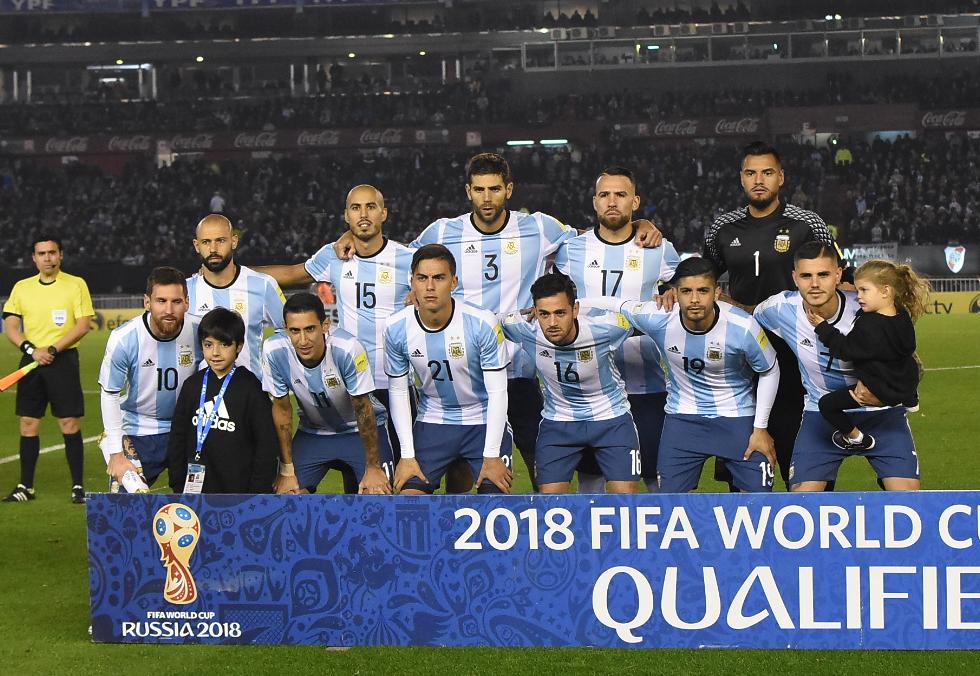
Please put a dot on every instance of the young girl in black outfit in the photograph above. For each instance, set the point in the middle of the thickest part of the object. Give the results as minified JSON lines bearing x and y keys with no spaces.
{"x":881,"y":345}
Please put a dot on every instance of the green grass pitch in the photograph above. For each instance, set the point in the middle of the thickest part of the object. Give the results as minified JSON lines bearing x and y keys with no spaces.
{"x":44,"y":578}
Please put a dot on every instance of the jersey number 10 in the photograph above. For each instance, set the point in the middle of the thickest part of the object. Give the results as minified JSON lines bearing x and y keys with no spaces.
{"x":166,"y":379}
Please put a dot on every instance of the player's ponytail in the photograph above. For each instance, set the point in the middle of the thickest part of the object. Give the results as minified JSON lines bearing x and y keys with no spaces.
{"x":911,"y":290}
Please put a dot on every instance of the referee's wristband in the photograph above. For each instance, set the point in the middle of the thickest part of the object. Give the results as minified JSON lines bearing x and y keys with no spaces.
{"x":27,"y":347}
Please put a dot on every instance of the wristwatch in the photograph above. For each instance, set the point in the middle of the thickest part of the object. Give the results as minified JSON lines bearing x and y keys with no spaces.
{"x":52,"y":350}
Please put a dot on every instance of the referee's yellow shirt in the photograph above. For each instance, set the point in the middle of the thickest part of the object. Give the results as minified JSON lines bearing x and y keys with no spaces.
{"x":49,"y":310}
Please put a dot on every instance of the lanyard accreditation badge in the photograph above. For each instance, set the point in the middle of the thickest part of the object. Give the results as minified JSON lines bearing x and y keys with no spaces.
{"x":194,"y":482}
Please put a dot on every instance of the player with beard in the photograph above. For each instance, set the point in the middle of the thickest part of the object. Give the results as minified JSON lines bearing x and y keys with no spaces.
{"x":605,"y":261}
{"x":369,"y":287}
{"x":500,"y":253}
{"x":755,"y":244}
{"x":224,"y":283}
{"x":147,"y":359}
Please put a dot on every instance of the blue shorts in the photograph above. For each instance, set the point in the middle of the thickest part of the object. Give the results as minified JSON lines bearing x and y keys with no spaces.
{"x":561,"y":445}
{"x":689,"y":440}
{"x":152,"y":452}
{"x":315,"y":454}
{"x":439,"y":446}
{"x":816,"y":458}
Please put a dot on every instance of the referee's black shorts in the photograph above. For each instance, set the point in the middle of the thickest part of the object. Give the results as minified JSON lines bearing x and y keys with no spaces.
{"x":59,"y":383}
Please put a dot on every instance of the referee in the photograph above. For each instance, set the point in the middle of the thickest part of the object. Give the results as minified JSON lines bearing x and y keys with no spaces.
{"x":45,"y":316}
{"x":756,"y":244}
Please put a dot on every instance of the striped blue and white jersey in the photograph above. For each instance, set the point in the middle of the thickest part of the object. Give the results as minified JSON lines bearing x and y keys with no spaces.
{"x":368,"y":290}
{"x":784,"y":315}
{"x":624,"y":270}
{"x":496,"y":270}
{"x":448,"y":363}
{"x":253,"y":295}
{"x":323,"y":391}
{"x":581,"y":380}
{"x":150,"y":370}
{"x":711,"y":374}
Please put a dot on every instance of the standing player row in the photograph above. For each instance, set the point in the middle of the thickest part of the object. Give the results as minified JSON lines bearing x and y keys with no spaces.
{"x":492,"y":245}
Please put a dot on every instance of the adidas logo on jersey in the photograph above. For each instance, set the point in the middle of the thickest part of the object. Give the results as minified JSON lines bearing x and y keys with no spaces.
{"x":222,"y":421}
{"x":417,"y":353}
{"x":349,"y":274}
{"x":297,"y":381}
{"x":806,"y":342}
{"x":594,"y":264}
{"x":673,"y":348}
{"x":544,"y":353}
{"x":148,"y":363}
{"x":735,"y":242}
{"x":470,"y":249}
{"x":204,"y":308}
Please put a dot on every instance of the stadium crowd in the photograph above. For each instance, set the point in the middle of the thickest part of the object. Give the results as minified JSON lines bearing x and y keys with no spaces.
{"x":206,"y":102}
{"x":910,"y":191}
{"x":467,"y":17}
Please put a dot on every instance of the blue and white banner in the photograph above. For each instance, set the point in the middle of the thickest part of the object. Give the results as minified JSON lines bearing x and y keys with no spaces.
{"x":837,"y":570}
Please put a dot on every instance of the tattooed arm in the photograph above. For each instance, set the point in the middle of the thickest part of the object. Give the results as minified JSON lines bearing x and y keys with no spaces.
{"x":374,"y":479}
{"x":282,"y":416}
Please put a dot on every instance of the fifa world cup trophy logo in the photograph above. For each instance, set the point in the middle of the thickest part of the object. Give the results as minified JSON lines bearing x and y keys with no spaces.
{"x":177,"y":530}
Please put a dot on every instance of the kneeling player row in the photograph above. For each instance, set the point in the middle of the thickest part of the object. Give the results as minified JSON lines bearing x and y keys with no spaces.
{"x":457,"y":354}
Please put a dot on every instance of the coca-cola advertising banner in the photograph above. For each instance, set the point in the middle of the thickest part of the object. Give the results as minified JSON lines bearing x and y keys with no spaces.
{"x":695,"y":127}
{"x":291,"y":139}
{"x":952,"y":119}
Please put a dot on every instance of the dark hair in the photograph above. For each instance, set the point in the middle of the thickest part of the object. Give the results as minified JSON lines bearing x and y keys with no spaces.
{"x":553,"y":284}
{"x":46,"y":237}
{"x":488,"y":163}
{"x":165,"y":276}
{"x":815,"y":249}
{"x":223,"y":325}
{"x":617,"y":170}
{"x":434,"y":252}
{"x":695,"y":266}
{"x":302,"y":302}
{"x":761,"y":148}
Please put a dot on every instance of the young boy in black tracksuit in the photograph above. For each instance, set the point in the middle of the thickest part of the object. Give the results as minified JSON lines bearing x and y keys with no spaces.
{"x":240,"y":452}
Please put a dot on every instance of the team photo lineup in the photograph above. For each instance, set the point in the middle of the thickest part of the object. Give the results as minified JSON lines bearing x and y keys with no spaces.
{"x":608,"y":361}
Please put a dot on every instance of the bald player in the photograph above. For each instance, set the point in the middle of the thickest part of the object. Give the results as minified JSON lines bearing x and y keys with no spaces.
{"x":224,"y":283}
{"x":369,"y":287}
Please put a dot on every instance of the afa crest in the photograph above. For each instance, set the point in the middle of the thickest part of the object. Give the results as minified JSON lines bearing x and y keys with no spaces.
{"x":456,"y":351}
{"x":782,"y":242}
{"x":511,"y":246}
{"x":632,"y":263}
{"x":184,"y":356}
{"x":385,"y":276}
{"x":332,"y":381}
{"x":715,"y":352}
{"x":585,"y":355}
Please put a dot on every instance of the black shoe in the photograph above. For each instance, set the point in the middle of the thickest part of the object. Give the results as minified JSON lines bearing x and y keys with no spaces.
{"x":20,"y":494}
{"x":845,"y":444}
{"x":77,"y":495}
